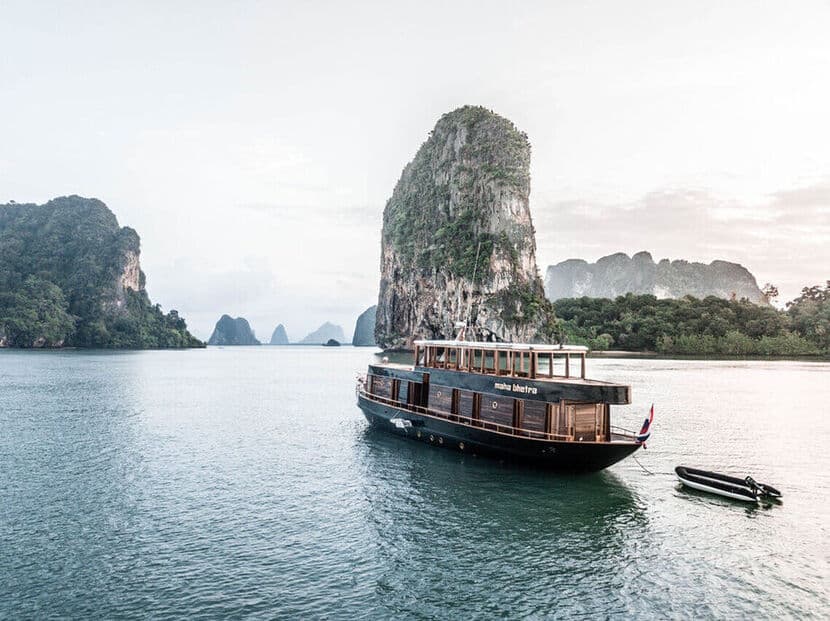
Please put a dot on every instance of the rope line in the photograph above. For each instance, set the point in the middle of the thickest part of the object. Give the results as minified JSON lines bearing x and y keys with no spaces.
{"x":646,"y":470}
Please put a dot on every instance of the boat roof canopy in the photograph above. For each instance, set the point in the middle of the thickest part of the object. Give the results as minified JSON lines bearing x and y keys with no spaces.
{"x":537,"y":347}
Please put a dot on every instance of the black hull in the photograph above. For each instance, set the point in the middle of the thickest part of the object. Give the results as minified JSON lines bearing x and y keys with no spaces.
{"x":573,"y":456}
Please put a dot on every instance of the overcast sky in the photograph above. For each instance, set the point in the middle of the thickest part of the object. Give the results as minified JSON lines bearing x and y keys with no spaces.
{"x":253,"y":145}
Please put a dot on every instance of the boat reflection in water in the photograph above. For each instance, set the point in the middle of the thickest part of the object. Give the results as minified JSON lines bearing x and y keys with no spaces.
{"x":446,"y":524}
{"x":518,"y":402}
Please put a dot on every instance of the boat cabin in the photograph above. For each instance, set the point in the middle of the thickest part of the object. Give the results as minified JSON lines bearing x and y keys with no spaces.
{"x":502,"y":359}
{"x":537,"y":391}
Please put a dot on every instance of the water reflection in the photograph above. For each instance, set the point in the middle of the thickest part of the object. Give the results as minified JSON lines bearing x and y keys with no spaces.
{"x":246,"y":483}
{"x":494,"y":520}
{"x":751,"y":509}
{"x":75,"y":464}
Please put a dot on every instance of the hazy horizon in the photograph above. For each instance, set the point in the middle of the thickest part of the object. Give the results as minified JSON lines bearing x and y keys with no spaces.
{"x":253,"y":146}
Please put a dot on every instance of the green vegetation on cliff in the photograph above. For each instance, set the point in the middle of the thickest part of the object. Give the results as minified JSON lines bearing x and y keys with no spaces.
{"x":711,"y":326}
{"x":69,"y":276}
{"x":525,"y":303}
{"x":437,"y":216}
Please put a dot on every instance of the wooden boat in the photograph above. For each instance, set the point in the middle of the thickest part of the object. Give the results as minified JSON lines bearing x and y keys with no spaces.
{"x":518,"y":402}
{"x":746,"y":489}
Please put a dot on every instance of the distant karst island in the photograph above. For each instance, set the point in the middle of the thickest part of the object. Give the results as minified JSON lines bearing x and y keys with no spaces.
{"x":328,"y":331}
{"x":70,"y":277}
{"x":618,"y":274}
{"x":279,"y":336}
{"x":230,"y":331}
{"x":458,"y":242}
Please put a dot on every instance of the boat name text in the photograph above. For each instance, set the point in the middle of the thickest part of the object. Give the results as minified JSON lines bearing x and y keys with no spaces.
{"x":530,"y":390}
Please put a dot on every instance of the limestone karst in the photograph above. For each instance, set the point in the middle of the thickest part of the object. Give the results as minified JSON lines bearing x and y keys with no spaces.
{"x":458,"y":240}
{"x":618,"y":274}
{"x":230,"y":331}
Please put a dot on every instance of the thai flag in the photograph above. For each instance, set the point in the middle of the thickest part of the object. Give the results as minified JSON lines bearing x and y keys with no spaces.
{"x":645,"y":430}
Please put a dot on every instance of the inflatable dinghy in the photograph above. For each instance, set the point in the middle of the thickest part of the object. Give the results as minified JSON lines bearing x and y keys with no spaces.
{"x":746,"y":489}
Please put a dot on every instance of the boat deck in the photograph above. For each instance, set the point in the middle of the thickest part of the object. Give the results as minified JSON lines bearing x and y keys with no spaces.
{"x":617,"y":435}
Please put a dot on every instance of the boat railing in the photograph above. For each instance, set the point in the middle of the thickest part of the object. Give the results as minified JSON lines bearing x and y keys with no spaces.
{"x":622,"y":433}
{"x":459,"y":418}
{"x":536,"y":362}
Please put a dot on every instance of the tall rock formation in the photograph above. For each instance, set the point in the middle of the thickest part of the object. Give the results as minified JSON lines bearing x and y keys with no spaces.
{"x":323,"y":334}
{"x":230,"y":331}
{"x":458,"y":241}
{"x":279,"y":337}
{"x":617,"y":274}
{"x":364,"y":329}
{"x":70,"y":275}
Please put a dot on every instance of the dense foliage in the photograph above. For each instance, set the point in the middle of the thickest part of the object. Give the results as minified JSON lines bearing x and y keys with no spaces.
{"x":526,"y":303}
{"x":711,"y":326}
{"x":438,"y":215}
{"x":61,"y":266}
{"x":809,"y":315}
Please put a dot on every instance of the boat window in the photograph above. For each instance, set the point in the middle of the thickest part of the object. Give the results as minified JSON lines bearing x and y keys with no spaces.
{"x":534,"y":415}
{"x":497,"y":409}
{"x":560,"y":423}
{"x":584,"y":420}
{"x":489,"y":361}
{"x":452,"y":358}
{"x":521,"y":363}
{"x":381,"y":386}
{"x":503,"y":366}
{"x":544,"y":365}
{"x":440,"y":398}
{"x":465,"y":403}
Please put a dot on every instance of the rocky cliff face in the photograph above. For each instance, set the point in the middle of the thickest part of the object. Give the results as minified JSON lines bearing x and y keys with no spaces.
{"x":617,"y":274}
{"x":364,"y":329}
{"x":279,"y":337}
{"x":230,"y":331}
{"x":458,"y":240}
{"x":328,"y":331}
{"x":129,"y":276}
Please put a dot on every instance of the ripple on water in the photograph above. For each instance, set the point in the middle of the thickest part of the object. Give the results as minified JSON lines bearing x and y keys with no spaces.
{"x":245,"y":483}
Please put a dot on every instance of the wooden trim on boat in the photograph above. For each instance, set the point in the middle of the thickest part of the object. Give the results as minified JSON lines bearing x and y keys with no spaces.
{"x":623,"y":436}
{"x":499,"y":359}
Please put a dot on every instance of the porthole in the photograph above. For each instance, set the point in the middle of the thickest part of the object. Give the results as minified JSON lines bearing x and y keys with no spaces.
{"x":419,"y":434}
{"x":461,"y":445}
{"x":440,"y":440}
{"x":432,"y":438}
{"x":495,"y":405}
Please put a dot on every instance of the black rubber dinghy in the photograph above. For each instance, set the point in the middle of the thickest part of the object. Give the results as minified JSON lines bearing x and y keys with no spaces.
{"x":746,"y":489}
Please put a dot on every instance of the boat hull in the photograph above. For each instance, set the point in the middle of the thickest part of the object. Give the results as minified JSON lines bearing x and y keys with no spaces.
{"x":573,"y":456}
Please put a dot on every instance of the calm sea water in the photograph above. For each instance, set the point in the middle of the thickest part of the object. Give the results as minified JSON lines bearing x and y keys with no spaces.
{"x":234,"y":483}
